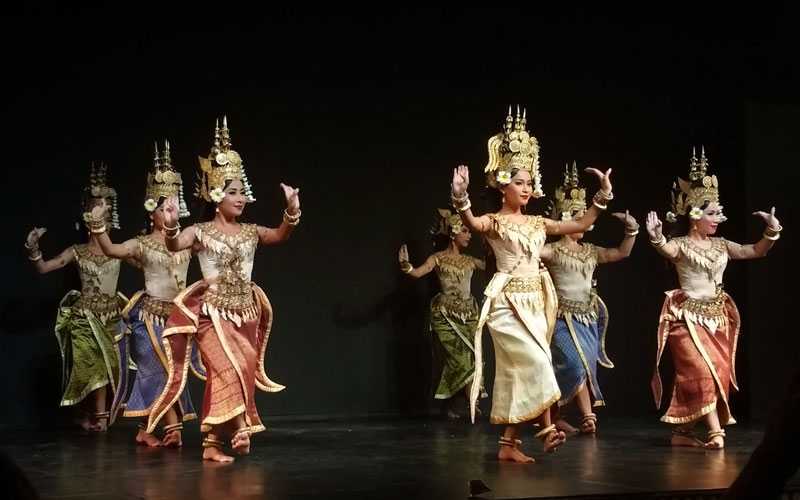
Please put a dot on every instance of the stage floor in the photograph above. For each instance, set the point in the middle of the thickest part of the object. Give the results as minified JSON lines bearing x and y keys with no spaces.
{"x":415,"y":458}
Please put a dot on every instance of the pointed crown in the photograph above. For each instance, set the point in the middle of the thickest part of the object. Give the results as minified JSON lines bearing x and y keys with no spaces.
{"x":222,"y":164}
{"x":513,"y":148}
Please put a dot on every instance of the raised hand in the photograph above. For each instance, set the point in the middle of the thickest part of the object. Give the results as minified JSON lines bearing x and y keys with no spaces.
{"x":292,"y":198}
{"x":604,"y":177}
{"x":402,"y":255}
{"x":33,"y":237}
{"x":99,"y":211}
{"x":460,"y":180}
{"x":654,"y":226}
{"x":171,"y":212}
{"x":627,"y":219}
{"x":769,"y":218}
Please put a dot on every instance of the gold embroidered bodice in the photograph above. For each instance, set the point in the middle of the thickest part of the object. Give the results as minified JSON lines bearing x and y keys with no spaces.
{"x":455,"y":276}
{"x":517,"y":246}
{"x":99,"y":275}
{"x":700,"y":270}
{"x":572,"y":271}
{"x":164,"y":271}
{"x":227,"y":262}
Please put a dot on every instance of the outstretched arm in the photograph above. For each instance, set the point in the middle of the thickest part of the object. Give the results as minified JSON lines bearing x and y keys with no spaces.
{"x":606,"y":255}
{"x":291,"y":218}
{"x":760,"y":248}
{"x":599,"y":203}
{"x":127,"y":250}
{"x":415,"y":272}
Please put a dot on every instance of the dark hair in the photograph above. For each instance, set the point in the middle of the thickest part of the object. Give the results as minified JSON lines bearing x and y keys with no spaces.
{"x":147,"y":220}
{"x":682,"y":223}
{"x":207,"y":210}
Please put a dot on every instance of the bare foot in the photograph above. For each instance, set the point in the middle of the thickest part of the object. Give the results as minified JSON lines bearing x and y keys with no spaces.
{"x":685,"y":440}
{"x":84,"y":421}
{"x":241,"y":443}
{"x":716,"y":440}
{"x":99,"y":424}
{"x":565,"y":427}
{"x":215,"y":455}
{"x":589,"y":424}
{"x":145,"y":439}
{"x":554,"y":440}
{"x":172,"y":439}
{"x":513,"y":454}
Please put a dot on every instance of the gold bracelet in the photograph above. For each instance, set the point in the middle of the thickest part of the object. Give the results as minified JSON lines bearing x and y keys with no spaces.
{"x":35,"y":256}
{"x":632,"y":233}
{"x":772,"y":232}
{"x":659,"y":242}
{"x":598,"y":205}
{"x":462,"y":206}
{"x":97,"y":230}
{"x":603,"y":196}
{"x":406,"y":267}
{"x":774,"y":237}
{"x":292,"y":220}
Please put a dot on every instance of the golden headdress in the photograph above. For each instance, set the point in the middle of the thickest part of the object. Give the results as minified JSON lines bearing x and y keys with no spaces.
{"x":570,"y":198}
{"x":699,"y":189}
{"x":514,"y":148}
{"x":447,"y":223}
{"x":98,"y":188}
{"x":223,"y":164}
{"x":164,"y":182}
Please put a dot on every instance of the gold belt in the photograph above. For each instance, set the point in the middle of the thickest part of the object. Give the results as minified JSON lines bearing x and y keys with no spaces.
{"x":156,"y":307}
{"x":577,"y":306}
{"x":524,"y":285}
{"x":710,"y":308}
{"x":232,"y":298}
{"x":99,"y":303}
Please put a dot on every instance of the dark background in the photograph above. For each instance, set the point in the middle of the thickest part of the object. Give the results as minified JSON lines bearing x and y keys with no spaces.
{"x":368,"y":113}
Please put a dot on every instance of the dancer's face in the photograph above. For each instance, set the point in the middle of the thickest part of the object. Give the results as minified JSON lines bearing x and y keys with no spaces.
{"x":578,"y":216}
{"x":233,"y":204}
{"x":157,"y":216}
{"x":462,"y":238}
{"x":518,"y":193}
{"x":712,"y":217}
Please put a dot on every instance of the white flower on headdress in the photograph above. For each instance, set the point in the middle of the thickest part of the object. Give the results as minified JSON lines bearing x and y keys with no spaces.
{"x":671,"y":218}
{"x":217,"y":195}
{"x":150,"y":204}
{"x":696,"y":213}
{"x":566,"y":215}
{"x":503,"y":177}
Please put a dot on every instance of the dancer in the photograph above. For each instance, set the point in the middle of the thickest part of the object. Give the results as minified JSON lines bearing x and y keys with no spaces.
{"x":225,"y":313}
{"x":454,"y":311}
{"x":578,"y":344}
{"x":520,"y":306}
{"x":699,"y":322}
{"x":88,"y":323}
{"x":147,"y":311}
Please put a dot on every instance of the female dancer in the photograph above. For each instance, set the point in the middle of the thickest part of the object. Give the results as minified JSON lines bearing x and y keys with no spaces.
{"x":578,"y":343}
{"x":88,"y":321}
{"x":699,"y":322}
{"x":225,"y":313}
{"x":520,"y":305}
{"x":454,"y":311}
{"x":147,"y":311}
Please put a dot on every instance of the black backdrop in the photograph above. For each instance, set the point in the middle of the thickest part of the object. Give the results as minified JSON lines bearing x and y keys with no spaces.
{"x":368,"y":113}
